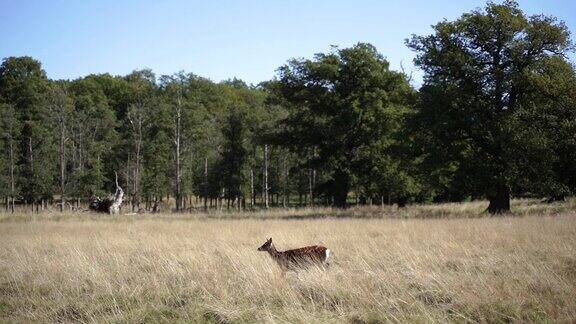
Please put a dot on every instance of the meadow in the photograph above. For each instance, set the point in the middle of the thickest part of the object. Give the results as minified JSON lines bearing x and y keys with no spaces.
{"x":422,"y":263}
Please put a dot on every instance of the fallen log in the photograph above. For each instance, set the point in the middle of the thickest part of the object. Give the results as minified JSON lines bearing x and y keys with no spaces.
{"x":111,"y":204}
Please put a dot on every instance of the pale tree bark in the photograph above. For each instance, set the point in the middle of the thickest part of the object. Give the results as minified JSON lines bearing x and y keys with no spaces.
{"x":31,"y":164}
{"x":312,"y":183}
{"x":252,"y":195}
{"x":137,"y":168}
{"x":12,"y":176}
{"x":58,"y":105}
{"x":265,"y":184}
{"x":62,"y":165}
{"x":206,"y":185}
{"x":118,"y":197}
{"x":137,"y":122}
{"x":286,"y":194}
{"x":177,"y":138}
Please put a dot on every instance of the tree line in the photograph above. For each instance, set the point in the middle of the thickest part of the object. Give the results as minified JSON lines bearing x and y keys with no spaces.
{"x":495,"y":117}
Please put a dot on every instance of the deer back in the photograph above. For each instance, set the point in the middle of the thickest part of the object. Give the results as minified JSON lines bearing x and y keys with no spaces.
{"x":305,"y":256}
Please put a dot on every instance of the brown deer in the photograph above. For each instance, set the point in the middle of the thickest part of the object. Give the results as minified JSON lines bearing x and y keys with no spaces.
{"x":297,"y":258}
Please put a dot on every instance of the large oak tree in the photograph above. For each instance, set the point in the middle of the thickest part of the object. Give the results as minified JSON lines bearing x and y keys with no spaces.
{"x":480,"y":71}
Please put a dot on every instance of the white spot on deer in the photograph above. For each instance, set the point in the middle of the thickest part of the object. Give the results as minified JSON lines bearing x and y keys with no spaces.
{"x":327,"y":254}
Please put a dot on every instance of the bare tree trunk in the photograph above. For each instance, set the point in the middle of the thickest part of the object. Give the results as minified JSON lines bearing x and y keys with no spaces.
{"x":129,"y":177}
{"x":137,"y":170}
{"x":252,"y":194}
{"x":300,"y":188}
{"x":12,"y":178}
{"x":137,"y":122}
{"x":221,"y":198}
{"x":499,"y":200}
{"x":31,"y":162}
{"x":133,"y":196}
{"x":118,"y":196}
{"x":205,"y":189}
{"x":62,"y":165}
{"x":177,"y":135}
{"x":286,"y":193}
{"x":265,"y":185}
{"x":58,"y":106}
{"x":311,"y":183}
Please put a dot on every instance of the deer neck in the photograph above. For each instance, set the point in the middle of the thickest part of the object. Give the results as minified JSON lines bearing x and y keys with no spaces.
{"x":273,"y":252}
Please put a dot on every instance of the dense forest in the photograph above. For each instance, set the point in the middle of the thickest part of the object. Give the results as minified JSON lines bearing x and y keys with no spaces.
{"x":495,"y":117}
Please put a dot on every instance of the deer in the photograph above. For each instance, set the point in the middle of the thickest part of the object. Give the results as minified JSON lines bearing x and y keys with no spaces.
{"x":297,"y":258}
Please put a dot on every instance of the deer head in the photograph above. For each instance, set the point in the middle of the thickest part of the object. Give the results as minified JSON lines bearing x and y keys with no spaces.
{"x":266,"y":246}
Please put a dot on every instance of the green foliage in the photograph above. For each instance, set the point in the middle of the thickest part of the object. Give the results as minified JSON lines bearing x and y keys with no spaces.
{"x":93,"y":134}
{"x":23,"y":84}
{"x":480,"y":72}
{"x":234,"y":153}
{"x":345,"y":108}
{"x":495,"y":116}
{"x":10,"y":132}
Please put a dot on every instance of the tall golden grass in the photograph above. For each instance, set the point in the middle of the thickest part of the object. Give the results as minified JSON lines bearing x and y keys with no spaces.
{"x":170,"y":268}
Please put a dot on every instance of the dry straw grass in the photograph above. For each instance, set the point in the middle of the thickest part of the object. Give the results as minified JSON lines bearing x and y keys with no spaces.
{"x":192,"y":268}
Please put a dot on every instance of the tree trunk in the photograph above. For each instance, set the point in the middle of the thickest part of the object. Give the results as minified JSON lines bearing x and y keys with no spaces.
{"x":556,"y":198}
{"x":402,"y":201}
{"x":301,"y":187}
{"x":62,"y":166}
{"x":499,"y":200}
{"x":177,"y":154}
{"x":341,"y":188}
{"x":137,"y":171}
{"x":31,"y":166}
{"x":137,"y":124}
{"x":286,"y":193}
{"x":252,"y":194}
{"x":265,"y":185}
{"x":118,"y":196}
{"x":205,"y":186}
{"x":312,"y":184}
{"x":12,"y":177}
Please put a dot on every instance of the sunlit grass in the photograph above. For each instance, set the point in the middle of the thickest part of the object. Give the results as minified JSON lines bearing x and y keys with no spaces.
{"x":391,"y":266}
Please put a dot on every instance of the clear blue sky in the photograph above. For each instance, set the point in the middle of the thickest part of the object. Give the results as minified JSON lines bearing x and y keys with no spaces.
{"x":220,"y":39}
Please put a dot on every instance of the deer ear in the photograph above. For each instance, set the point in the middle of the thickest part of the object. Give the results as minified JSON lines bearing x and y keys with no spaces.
{"x":270,"y":240}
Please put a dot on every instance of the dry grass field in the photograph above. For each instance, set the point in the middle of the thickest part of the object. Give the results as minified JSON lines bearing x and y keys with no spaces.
{"x":420,"y":264}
